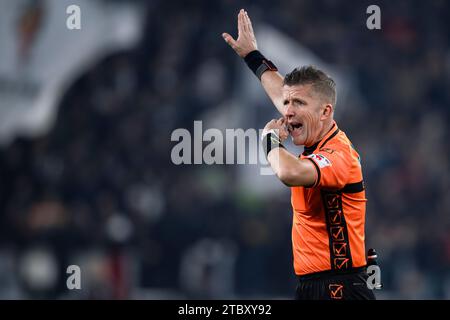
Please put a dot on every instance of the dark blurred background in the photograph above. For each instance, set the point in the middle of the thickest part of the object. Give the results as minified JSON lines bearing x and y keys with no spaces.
{"x":98,"y":188}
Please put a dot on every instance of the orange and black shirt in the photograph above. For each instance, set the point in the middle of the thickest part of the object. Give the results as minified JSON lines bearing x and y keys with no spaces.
{"x":329,"y":217}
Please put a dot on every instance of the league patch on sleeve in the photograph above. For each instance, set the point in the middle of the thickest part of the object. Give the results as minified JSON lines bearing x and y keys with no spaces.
{"x":321,"y":160}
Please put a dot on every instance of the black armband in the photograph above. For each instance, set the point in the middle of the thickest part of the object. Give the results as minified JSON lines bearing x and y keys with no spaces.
{"x":258,"y":63}
{"x":271,"y":141}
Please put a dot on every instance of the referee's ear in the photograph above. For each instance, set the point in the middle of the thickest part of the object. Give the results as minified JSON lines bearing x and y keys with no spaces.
{"x":327,"y":111}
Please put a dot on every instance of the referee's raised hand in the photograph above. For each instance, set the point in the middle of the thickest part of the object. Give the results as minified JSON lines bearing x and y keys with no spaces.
{"x":246,"y":41}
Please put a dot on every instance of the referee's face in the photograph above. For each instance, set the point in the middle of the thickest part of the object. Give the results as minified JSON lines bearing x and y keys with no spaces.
{"x":303,"y":114}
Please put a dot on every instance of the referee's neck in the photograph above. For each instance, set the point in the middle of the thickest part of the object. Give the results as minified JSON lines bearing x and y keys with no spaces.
{"x":326,"y":130}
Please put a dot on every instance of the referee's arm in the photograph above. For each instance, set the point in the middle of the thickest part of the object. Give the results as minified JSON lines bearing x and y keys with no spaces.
{"x":291,"y":170}
{"x":246,"y":47}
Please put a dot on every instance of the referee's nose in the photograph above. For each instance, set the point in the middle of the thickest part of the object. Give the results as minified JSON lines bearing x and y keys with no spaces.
{"x":289,"y":113}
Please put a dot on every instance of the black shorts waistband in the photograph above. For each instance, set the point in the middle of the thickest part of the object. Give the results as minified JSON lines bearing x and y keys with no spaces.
{"x":330,"y":273}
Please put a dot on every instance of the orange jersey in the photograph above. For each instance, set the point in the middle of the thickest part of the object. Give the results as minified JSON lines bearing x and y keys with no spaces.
{"x":329,"y":217}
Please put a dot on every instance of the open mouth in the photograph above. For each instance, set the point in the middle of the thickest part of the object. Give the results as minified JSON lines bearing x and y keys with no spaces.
{"x":295,"y":128}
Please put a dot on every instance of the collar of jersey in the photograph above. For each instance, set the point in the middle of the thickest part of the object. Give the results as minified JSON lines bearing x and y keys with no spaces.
{"x":331,"y":133}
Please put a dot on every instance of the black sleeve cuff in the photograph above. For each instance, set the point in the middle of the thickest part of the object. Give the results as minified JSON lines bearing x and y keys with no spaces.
{"x":318,"y":173}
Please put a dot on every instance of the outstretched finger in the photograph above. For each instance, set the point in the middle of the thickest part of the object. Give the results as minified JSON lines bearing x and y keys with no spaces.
{"x":229,"y":39}
{"x":245,"y":27}
{"x":249,"y":22}
{"x":241,"y":22}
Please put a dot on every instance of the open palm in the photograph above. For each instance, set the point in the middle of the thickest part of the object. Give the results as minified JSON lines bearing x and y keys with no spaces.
{"x":246,"y":41}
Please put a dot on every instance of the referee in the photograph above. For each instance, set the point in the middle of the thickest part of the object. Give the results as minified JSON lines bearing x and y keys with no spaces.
{"x":327,"y":187}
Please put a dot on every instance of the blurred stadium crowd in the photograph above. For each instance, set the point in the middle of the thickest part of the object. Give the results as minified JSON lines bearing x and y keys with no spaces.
{"x":99,"y":190}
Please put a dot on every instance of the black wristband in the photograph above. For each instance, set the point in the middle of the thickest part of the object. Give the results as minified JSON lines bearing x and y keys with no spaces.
{"x":258,"y":63}
{"x":271,"y":141}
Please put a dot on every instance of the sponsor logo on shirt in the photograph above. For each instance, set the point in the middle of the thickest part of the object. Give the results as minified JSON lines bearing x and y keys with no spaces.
{"x":321,"y":160}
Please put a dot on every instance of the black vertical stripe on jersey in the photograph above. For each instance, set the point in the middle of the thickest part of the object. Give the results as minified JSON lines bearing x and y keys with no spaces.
{"x":342,"y":224}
